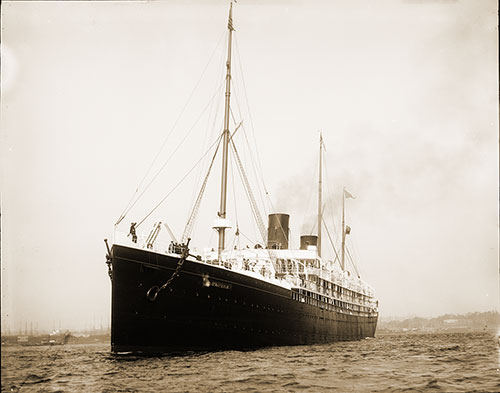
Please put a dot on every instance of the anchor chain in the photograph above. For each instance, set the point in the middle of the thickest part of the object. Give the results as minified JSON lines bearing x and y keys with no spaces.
{"x":153,"y":292}
{"x":109,"y":261}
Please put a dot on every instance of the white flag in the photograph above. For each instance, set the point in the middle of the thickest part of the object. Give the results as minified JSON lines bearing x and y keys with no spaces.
{"x":347,"y":194}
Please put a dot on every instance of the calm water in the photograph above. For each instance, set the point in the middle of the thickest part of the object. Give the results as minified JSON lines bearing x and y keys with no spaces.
{"x":414,"y":362}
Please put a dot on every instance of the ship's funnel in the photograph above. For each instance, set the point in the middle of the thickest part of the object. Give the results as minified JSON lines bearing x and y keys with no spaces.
{"x":307,"y":241}
{"x":277,"y":231}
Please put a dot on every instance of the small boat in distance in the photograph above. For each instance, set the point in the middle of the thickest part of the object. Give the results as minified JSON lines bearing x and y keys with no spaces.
{"x":171,"y":300}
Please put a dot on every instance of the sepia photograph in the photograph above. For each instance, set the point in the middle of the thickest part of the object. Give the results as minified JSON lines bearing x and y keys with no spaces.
{"x":250,"y":196}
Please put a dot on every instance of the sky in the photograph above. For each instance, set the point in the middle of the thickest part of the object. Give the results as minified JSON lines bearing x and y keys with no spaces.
{"x":405,"y":94}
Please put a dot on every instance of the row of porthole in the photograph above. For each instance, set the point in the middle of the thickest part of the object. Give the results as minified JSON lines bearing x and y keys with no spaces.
{"x":279,"y":311}
{"x":244,"y":303}
{"x":270,"y":309}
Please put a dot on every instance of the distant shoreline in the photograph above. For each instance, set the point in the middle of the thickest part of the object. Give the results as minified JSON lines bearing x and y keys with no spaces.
{"x":52,"y":340}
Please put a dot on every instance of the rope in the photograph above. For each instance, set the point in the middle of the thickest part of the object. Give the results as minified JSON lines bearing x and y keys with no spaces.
{"x":246,"y":237}
{"x":315,"y":222}
{"x":125,"y":211}
{"x":168,"y":159}
{"x":331,"y":242}
{"x":235,"y":203}
{"x":180,"y":181}
{"x":330,"y":193}
{"x":352,"y":261}
{"x":189,"y":225}
{"x":253,"y":203}
{"x":251,"y":119}
{"x":355,"y":256}
{"x":213,"y":113}
{"x":310,"y":197}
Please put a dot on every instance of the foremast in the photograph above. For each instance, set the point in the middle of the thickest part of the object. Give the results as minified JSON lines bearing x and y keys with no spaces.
{"x":221,"y":228}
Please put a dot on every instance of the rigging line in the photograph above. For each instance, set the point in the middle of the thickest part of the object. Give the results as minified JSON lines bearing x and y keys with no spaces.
{"x":311,"y":194}
{"x":330,"y":203}
{"x":350,"y":258}
{"x":355,"y":256}
{"x":172,"y":129}
{"x":249,"y":113}
{"x":352,"y":261}
{"x":354,"y":249}
{"x":194,"y":212}
{"x":248,"y":190}
{"x":251,"y":156}
{"x":232,"y":246}
{"x":208,"y":135}
{"x":210,"y":131}
{"x":207,"y":138}
{"x":331,"y":241}
{"x":259,"y":178}
{"x":234,"y":121}
{"x":210,"y":240}
{"x":245,"y":236}
{"x":252,"y":159}
{"x":168,"y":159}
{"x":234,"y":192}
{"x":327,"y":177}
{"x":180,"y":181}
{"x":256,"y":174}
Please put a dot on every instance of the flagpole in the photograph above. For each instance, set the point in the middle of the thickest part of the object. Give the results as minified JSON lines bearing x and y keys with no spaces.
{"x":343,"y":228}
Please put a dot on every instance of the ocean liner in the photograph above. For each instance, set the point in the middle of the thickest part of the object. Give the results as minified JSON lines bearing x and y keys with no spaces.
{"x":167,"y":299}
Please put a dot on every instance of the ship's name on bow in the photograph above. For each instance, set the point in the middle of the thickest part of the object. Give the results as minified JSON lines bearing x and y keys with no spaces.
{"x":207,"y":282}
{"x":219,"y":284}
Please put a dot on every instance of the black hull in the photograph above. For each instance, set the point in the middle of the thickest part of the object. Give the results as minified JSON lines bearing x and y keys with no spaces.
{"x":210,"y":308}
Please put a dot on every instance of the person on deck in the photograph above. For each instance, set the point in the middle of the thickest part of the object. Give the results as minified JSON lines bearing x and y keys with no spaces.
{"x":132,"y":232}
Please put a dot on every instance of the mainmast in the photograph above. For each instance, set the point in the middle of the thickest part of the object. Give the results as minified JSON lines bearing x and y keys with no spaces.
{"x":225,"y":141}
{"x":343,"y":229}
{"x":320,"y":190}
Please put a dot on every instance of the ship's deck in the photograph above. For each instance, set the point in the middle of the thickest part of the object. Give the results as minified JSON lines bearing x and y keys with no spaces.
{"x":329,"y":289}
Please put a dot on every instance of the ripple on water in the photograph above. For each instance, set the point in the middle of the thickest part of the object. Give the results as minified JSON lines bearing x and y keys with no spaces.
{"x":392,"y":363}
